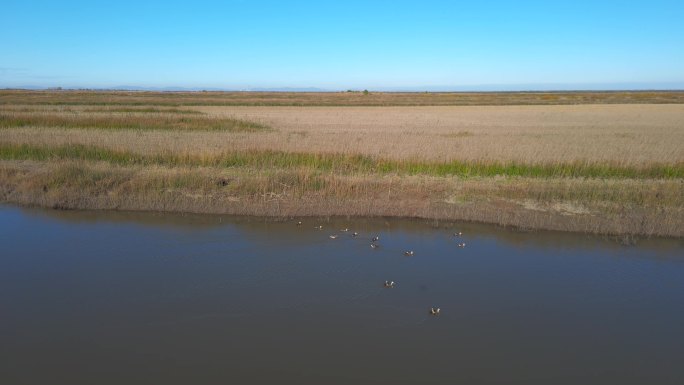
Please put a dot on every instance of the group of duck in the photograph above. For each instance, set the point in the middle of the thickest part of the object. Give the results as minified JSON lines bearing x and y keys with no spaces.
{"x":374,"y":245}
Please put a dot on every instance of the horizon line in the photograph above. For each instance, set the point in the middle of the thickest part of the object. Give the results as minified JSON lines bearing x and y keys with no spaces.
{"x":322,"y":90}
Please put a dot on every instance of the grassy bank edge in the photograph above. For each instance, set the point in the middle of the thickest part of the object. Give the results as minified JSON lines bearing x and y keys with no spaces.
{"x":617,"y":207}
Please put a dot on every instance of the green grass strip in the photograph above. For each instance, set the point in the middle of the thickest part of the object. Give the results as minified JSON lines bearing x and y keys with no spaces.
{"x":339,"y":163}
{"x":129,"y":122}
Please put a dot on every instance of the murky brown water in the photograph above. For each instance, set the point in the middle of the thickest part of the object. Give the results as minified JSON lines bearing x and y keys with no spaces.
{"x":130,"y":298}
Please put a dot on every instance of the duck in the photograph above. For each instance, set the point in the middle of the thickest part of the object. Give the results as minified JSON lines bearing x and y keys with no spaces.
{"x":319,"y":227}
{"x":408,"y":253}
{"x":355,"y":234}
{"x":462,"y":244}
{"x":458,"y":234}
{"x":374,"y":245}
{"x":389,"y":284}
{"x":375,"y":239}
{"x":434,"y":310}
{"x":334,"y":236}
{"x":344,"y":230}
{"x":299,"y":223}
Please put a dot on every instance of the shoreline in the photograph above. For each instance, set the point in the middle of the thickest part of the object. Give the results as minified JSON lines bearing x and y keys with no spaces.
{"x":524,"y":203}
{"x":255,"y":211}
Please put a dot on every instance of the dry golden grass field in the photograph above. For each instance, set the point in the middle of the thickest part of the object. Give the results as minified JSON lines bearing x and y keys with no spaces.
{"x":595,"y":162}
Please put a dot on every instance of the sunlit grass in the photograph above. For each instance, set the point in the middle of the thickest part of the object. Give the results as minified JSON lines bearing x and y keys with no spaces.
{"x":339,"y":163}
{"x":144,"y":110}
{"x":611,"y":169}
{"x":108,"y":98}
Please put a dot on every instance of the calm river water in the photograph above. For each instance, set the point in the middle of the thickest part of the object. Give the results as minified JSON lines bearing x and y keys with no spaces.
{"x":142,"y":298}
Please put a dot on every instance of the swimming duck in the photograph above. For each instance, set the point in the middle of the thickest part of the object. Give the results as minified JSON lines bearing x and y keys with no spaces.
{"x":333,"y":236}
{"x":389,"y":284}
{"x":375,"y":239}
{"x":434,"y":311}
{"x":458,"y":234}
{"x":345,"y":229}
{"x":462,"y":244}
{"x":319,"y":227}
{"x":355,"y":234}
{"x":408,"y":253}
{"x":374,"y":245}
{"x":299,"y":223}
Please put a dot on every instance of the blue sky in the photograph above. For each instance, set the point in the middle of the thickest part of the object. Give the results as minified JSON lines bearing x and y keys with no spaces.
{"x":383,"y":45}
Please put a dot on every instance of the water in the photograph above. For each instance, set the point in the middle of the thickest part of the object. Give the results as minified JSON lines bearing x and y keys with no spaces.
{"x":135,"y":298}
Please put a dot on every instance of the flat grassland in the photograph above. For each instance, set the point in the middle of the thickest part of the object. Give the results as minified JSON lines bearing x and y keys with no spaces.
{"x":609,"y":162}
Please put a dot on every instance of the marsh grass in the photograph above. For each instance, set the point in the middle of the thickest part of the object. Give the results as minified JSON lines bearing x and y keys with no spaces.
{"x":459,"y":134}
{"x":8,"y":108}
{"x":128,"y":121}
{"x":339,"y":163}
{"x":633,"y":136}
{"x":144,"y":110}
{"x":613,"y":206}
{"x":108,"y":98}
{"x":606,"y":169}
